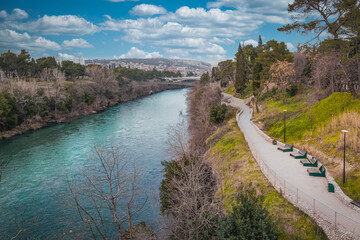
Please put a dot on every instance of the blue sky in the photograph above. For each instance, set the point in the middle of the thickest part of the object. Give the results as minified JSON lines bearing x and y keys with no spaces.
{"x":203,"y":30}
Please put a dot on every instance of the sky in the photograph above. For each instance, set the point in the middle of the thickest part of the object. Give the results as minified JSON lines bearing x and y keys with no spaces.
{"x":106,"y":29}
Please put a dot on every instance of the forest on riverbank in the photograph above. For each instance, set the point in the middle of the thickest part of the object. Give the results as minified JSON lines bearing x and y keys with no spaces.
{"x":36,"y":93}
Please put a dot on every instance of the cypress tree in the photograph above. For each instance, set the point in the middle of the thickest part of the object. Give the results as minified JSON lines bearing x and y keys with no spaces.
{"x":240,"y":75}
{"x":260,"y":43}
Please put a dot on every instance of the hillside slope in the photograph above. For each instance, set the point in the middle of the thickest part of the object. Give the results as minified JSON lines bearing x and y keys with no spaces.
{"x":230,"y":156}
{"x":317,"y":129}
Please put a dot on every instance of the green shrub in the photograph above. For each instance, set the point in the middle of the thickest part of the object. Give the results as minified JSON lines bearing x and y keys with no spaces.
{"x":268,"y":94}
{"x":218,"y":114}
{"x":8,"y":112}
{"x":292,"y":91}
{"x":249,"y":219}
{"x":171,"y":169}
{"x":88,"y":98}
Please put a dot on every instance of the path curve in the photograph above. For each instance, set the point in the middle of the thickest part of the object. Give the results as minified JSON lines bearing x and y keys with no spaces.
{"x":291,"y":179}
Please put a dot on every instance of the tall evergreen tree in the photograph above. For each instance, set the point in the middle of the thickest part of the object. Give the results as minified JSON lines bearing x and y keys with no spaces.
{"x":260,"y":43}
{"x":240,"y":75}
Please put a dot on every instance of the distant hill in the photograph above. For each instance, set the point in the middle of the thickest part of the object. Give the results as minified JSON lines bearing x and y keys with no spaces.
{"x":157,"y":63}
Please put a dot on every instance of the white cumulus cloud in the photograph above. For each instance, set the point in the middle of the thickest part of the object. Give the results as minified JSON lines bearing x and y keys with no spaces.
{"x":251,"y":42}
{"x":147,"y":10}
{"x":290,"y":46}
{"x":17,"y":14}
{"x":255,"y":6}
{"x":76,"y":43}
{"x":200,"y":32}
{"x":134,"y":52}
{"x":58,"y":25}
{"x":42,"y":42}
{"x":10,"y":39}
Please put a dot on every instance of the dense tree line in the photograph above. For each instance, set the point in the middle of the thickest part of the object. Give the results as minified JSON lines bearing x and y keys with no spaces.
{"x":23,"y":66}
{"x":329,"y":65}
{"x":251,"y":70}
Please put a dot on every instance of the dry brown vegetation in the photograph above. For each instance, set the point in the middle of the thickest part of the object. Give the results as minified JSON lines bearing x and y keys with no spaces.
{"x":189,"y":187}
{"x":327,"y":143}
{"x":200,"y":99}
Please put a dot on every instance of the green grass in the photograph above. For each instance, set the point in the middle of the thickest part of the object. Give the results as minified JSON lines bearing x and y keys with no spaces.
{"x":351,"y":186}
{"x":232,"y":158}
{"x":300,"y":120}
{"x":230,"y":90}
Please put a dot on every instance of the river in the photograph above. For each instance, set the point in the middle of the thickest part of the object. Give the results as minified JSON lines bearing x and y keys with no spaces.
{"x":40,"y":161}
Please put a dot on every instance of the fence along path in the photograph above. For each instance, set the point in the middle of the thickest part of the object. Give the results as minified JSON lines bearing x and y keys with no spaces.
{"x":291,"y":179}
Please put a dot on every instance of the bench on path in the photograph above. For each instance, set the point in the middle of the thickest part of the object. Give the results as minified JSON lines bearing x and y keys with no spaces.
{"x":317,"y":172}
{"x":287,"y":148}
{"x":299,"y":154}
{"x":356,"y":202}
{"x":313,"y":162}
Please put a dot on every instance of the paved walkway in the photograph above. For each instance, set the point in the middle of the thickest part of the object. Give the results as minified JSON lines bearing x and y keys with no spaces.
{"x":291,"y":170}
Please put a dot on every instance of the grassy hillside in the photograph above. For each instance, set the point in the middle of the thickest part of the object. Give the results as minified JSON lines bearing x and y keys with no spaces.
{"x":230,"y":155}
{"x":317,"y":128}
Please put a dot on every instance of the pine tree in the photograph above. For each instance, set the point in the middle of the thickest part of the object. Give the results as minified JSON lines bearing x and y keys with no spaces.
{"x":240,"y":75}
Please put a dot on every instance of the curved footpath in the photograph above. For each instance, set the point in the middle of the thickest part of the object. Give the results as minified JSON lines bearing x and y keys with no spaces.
{"x":291,"y":179}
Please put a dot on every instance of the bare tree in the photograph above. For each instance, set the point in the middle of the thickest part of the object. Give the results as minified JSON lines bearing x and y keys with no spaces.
{"x":188,"y":191}
{"x":194,"y":208}
{"x":201,"y":98}
{"x":178,"y":140}
{"x":351,"y":72}
{"x":59,"y":78}
{"x":282,"y":72}
{"x":327,"y":73}
{"x":105,"y":81}
{"x":23,"y":92}
{"x":45,"y":75}
{"x":110,"y":193}
{"x":299,"y":65}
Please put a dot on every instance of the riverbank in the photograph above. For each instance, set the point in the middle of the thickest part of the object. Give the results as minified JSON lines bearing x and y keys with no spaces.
{"x":129,"y":92}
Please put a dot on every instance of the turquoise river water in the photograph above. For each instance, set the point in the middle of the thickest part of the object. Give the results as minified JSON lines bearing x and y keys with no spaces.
{"x":40,"y":161}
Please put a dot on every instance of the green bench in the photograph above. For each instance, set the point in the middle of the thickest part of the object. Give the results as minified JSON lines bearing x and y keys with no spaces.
{"x":313,"y":162}
{"x":317,"y":172}
{"x":286,"y":148}
{"x":299,"y":154}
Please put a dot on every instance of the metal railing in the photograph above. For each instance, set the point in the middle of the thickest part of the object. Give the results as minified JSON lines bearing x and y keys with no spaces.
{"x":335,"y":224}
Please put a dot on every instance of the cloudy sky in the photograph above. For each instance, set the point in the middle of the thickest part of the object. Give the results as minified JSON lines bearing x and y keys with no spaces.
{"x":191,"y":29}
